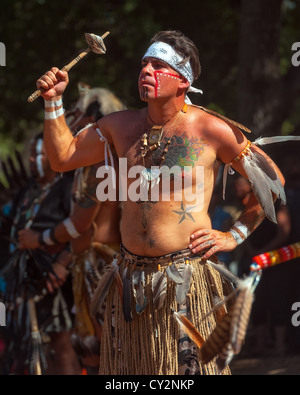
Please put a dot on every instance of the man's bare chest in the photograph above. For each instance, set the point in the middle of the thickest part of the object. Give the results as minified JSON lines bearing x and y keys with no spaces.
{"x":176,"y":149}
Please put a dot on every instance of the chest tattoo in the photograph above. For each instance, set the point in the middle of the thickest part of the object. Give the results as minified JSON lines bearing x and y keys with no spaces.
{"x":182,"y":151}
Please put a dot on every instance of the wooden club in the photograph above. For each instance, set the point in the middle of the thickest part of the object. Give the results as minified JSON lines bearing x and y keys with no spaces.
{"x":95,"y":44}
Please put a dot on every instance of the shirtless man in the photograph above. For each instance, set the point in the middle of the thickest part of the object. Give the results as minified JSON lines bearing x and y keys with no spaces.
{"x":152,"y":230}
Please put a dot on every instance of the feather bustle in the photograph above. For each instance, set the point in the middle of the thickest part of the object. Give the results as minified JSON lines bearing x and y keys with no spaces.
{"x":216,"y":341}
{"x":138,"y":284}
{"x":127,"y":295}
{"x":182,"y":289}
{"x":189,"y":329}
{"x":103,"y":288}
{"x":226,"y":273}
{"x":175,"y":272}
{"x":240,"y":318}
{"x":159,"y":289}
{"x":228,"y":336}
{"x":119,"y":283}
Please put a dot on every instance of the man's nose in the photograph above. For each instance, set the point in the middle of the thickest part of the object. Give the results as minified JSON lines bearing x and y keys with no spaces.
{"x":147,"y":69}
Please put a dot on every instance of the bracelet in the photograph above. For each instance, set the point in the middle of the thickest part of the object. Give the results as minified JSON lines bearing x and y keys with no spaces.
{"x":52,"y":236}
{"x":56,"y":106}
{"x":54,"y":114}
{"x":239,"y":232}
{"x":47,"y":238}
{"x":70,"y":227}
{"x":239,"y":240}
{"x":53,"y":103}
{"x":41,"y":241}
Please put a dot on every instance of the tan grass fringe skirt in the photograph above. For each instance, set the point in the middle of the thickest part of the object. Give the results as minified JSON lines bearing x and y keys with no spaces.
{"x":152,"y":343}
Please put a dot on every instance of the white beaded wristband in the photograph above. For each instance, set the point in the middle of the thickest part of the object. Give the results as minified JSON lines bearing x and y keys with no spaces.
{"x":239,"y":240}
{"x":53,"y":103}
{"x":54,"y":114}
{"x":70,"y":227}
{"x":47,"y":239}
{"x":239,"y":232}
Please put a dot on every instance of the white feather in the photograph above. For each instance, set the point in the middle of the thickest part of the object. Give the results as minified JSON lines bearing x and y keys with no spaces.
{"x":275,"y":139}
{"x":264,"y":181}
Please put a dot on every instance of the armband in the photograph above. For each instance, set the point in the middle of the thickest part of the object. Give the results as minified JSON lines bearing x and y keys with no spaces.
{"x":53,"y":103}
{"x":263,"y":178}
{"x":52,"y":236}
{"x":246,"y":151}
{"x":70,"y":227}
{"x":47,"y":238}
{"x":239,"y":232}
{"x":53,"y":109}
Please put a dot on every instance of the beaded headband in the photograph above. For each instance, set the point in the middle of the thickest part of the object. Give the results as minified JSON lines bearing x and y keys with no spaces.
{"x":166,"y":53}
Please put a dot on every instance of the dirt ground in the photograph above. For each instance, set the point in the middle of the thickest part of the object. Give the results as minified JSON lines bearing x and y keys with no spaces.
{"x":270,"y":363}
{"x":276,"y":366}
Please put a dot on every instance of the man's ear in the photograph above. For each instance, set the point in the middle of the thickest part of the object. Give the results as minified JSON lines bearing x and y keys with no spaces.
{"x":184,"y":84}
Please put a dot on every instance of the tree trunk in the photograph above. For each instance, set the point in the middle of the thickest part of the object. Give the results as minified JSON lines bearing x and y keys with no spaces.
{"x":259,"y":80}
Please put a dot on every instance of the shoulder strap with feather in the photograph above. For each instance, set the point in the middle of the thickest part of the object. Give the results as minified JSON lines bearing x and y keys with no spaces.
{"x":225,"y":119}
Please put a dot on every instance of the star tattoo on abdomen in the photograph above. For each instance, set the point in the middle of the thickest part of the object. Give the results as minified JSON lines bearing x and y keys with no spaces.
{"x":184,"y":213}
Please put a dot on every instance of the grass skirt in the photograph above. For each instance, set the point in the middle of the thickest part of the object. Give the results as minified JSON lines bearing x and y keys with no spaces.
{"x":152,"y":343}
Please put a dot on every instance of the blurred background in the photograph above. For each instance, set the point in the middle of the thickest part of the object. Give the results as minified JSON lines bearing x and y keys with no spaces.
{"x":245,"y":50}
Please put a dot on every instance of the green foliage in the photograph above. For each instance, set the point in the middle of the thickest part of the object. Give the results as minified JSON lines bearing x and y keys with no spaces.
{"x":39,"y":34}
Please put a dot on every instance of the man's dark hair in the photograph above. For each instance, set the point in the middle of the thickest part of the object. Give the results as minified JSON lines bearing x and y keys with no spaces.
{"x":183,"y":46}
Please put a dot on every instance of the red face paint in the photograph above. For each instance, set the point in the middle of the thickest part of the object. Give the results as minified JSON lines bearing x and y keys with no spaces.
{"x":160,"y":79}
{"x":163,"y":82}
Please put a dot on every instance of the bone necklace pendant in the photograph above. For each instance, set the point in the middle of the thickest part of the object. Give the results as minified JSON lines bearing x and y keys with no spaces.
{"x":155,"y":135}
{"x":151,"y":177}
{"x":150,"y":143}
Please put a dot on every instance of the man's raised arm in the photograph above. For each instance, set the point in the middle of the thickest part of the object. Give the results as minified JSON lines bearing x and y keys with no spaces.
{"x":65,"y":152}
